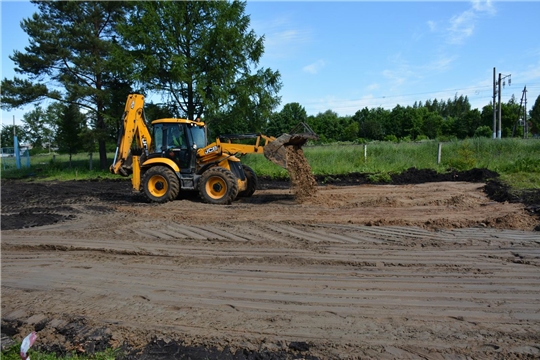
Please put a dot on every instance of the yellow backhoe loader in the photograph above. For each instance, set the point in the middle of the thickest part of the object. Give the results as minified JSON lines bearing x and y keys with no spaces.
{"x":176,"y":156}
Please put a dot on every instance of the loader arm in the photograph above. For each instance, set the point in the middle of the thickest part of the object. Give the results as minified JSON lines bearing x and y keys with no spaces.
{"x":133,"y":128}
{"x":219,"y":148}
{"x":274,"y":149}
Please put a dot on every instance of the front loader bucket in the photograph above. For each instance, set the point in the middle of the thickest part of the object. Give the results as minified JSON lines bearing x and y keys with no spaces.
{"x":276,"y":150}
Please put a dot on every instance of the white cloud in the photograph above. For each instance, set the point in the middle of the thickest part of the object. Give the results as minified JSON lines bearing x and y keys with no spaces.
{"x":315,"y":67}
{"x":281,"y":36}
{"x":532,"y":73}
{"x":440,"y":64}
{"x":395,"y":76}
{"x":462,"y":25}
{"x":432,"y":25}
{"x":404,"y":73}
{"x":483,"y":6}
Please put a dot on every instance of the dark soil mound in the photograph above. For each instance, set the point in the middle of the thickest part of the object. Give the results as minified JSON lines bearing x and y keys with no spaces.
{"x":161,"y":350}
{"x":498,"y":191}
{"x":476,"y":175}
{"x":420,"y":176}
{"x":31,"y":219}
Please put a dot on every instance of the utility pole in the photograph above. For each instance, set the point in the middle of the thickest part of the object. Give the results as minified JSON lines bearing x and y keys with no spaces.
{"x":522,"y":115}
{"x":525,"y":122}
{"x":494,"y":105}
{"x":16,"y":146}
{"x":501,"y":78}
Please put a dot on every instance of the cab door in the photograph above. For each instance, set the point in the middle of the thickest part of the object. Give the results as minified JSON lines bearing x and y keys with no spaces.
{"x":178,"y":147}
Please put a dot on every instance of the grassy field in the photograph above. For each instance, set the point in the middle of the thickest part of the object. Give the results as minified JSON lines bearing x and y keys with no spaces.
{"x":518,"y":161}
{"x":12,"y":353}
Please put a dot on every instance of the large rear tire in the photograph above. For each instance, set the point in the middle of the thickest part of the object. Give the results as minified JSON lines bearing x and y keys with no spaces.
{"x":160,"y":184}
{"x":218,"y":186}
{"x":252,"y":182}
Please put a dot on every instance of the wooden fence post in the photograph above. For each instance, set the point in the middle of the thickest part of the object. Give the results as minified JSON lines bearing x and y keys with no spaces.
{"x":439,"y":153}
{"x":365,"y":152}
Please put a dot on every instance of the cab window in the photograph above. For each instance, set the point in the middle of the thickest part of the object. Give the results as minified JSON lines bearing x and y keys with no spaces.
{"x":158,"y":137}
{"x":199,"y":136}
{"x":176,"y":137}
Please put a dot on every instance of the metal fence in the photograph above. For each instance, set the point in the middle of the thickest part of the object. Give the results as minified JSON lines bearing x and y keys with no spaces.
{"x":9,"y":160}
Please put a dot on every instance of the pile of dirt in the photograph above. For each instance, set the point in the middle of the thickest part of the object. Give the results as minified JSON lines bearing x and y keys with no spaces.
{"x":501,"y":192}
{"x":159,"y":349}
{"x":303,"y":183}
{"x":420,"y":176}
{"x":498,"y":191}
{"x":409,"y":176}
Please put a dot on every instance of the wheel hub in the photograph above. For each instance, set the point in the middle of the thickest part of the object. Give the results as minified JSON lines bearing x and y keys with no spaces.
{"x":217,"y":187}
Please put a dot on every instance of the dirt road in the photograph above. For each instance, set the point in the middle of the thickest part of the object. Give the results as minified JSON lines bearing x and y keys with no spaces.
{"x":421,"y":271}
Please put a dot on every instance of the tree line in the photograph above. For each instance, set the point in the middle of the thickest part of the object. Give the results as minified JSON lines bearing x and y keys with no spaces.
{"x":202,"y":60}
{"x":434,"y":119}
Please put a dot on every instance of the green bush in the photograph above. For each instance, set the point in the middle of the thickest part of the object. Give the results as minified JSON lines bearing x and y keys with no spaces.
{"x":464,"y":159}
{"x":406,"y":139}
{"x":483,"y":131}
{"x":446,"y":138}
{"x":391,"y":138}
{"x":380,"y":178}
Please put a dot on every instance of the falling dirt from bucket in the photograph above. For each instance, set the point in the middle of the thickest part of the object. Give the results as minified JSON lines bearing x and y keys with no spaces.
{"x":303,"y":183}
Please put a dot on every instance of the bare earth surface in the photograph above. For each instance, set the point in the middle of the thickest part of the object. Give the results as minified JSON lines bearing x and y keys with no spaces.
{"x":425,"y":271}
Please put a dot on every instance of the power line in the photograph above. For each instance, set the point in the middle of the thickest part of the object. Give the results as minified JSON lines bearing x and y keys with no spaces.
{"x":343,"y":103}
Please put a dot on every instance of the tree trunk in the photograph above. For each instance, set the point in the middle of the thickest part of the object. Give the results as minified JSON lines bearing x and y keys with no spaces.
{"x":102,"y":155}
{"x":101,"y":126}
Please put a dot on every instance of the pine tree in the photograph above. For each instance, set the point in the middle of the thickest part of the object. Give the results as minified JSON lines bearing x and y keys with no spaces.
{"x":71,"y":47}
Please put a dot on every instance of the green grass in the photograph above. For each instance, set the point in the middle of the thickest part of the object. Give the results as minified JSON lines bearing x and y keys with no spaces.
{"x":517,"y":160}
{"x":12,"y":353}
{"x":57,"y":167}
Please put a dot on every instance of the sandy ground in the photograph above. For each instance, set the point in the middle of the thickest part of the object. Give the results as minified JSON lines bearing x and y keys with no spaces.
{"x":427,"y":271}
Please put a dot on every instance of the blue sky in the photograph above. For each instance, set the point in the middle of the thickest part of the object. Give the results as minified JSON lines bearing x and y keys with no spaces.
{"x":345,"y":56}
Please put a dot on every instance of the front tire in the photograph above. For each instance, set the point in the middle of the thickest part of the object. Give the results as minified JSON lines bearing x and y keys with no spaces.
{"x":160,"y":184}
{"x":252,"y":182}
{"x":218,"y":186}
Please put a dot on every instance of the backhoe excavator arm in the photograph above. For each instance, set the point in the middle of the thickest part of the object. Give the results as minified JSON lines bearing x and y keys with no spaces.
{"x":133,"y":128}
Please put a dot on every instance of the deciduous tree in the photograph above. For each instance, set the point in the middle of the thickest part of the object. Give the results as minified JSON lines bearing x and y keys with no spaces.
{"x":534,"y":114}
{"x":284,"y":121}
{"x":202,"y":57}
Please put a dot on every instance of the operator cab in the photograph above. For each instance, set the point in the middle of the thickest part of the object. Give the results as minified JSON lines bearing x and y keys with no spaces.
{"x":178,"y":140}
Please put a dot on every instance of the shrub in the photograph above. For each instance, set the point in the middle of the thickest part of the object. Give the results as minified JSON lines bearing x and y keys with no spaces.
{"x":406,"y":139}
{"x":383,"y":177}
{"x":464,"y":159}
{"x":483,"y":131}
{"x":447,"y":138}
{"x":391,"y":138}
